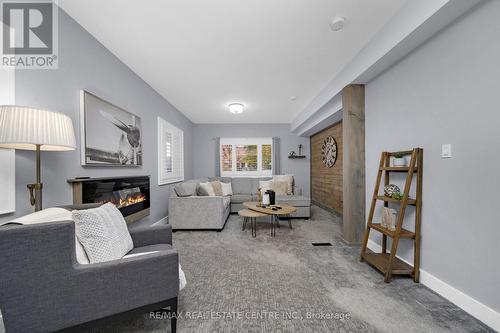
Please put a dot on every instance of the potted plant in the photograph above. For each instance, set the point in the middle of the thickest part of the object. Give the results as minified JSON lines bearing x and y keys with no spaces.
{"x":399,"y":160}
{"x":397,"y":196}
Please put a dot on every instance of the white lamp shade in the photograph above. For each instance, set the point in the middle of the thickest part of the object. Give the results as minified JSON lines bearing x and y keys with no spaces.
{"x":24,"y":127}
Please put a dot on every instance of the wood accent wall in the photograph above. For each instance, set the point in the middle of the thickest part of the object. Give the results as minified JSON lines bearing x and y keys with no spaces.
{"x":326,"y":183}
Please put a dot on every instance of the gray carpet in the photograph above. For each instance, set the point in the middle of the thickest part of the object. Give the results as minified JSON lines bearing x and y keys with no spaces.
{"x":238,"y":275}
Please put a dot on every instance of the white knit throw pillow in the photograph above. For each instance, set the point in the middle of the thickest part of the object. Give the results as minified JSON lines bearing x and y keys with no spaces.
{"x":226,"y":189}
{"x":103,"y":233}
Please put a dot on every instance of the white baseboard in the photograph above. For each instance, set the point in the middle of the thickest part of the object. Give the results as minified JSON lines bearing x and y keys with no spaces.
{"x":475,"y":308}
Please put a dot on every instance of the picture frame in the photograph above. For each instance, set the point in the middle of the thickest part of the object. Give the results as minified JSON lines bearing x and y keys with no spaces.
{"x":110,"y":136}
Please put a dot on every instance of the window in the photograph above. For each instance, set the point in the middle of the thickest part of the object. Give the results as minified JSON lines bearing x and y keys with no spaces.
{"x":246,"y":156}
{"x":227,"y":157}
{"x":267,"y":157}
{"x":170,"y":153}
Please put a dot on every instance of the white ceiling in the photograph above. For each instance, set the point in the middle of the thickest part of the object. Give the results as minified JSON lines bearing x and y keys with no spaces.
{"x":202,"y":55}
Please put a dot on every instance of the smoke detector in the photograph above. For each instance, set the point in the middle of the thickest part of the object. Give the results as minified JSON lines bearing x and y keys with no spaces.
{"x":337,"y":24}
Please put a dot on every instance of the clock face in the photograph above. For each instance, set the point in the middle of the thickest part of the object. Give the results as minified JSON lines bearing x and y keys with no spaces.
{"x":329,"y":151}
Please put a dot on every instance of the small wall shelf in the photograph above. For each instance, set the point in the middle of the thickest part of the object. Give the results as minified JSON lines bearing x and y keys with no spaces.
{"x":297,"y":156}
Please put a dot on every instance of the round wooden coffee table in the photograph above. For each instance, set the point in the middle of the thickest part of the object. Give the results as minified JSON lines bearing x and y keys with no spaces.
{"x":284,"y":211}
{"x":251,"y":215}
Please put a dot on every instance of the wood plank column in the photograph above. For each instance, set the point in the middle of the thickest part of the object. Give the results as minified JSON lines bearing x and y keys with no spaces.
{"x":353,"y":130}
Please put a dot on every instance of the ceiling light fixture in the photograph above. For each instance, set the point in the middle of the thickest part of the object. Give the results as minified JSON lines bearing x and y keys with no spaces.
{"x":337,"y":24}
{"x":236,"y":108}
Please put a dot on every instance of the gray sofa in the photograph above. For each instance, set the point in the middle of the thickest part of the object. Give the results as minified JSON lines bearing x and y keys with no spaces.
{"x":189,"y":211}
{"x":44,"y":289}
{"x":192,"y":212}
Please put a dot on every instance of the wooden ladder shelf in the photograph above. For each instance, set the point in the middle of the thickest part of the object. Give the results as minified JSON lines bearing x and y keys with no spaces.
{"x":385,"y":262}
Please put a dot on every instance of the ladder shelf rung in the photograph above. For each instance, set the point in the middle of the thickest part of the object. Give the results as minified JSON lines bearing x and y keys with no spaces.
{"x":398,"y":169}
{"x":391,"y":233}
{"x":404,"y":152}
{"x":381,"y":261}
{"x":412,"y":202}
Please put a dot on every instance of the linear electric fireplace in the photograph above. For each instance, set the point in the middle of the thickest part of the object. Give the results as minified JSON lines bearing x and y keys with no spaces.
{"x":130,"y":194}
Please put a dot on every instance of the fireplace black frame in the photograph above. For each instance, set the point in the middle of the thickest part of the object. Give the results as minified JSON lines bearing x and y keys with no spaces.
{"x":85,"y":187}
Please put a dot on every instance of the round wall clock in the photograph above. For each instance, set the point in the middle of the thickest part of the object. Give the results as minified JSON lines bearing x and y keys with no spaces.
{"x":329,"y":151}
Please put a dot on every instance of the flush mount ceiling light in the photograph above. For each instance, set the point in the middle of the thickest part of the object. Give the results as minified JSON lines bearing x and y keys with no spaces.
{"x":236,"y":108}
{"x":337,"y":24}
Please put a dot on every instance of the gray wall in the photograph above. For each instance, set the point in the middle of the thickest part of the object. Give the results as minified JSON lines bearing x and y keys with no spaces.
{"x":447,"y":92}
{"x":204,"y":148}
{"x":85,"y":64}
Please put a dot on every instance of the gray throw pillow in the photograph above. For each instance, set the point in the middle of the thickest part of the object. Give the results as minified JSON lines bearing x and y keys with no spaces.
{"x":280,"y":187}
{"x":206,"y":189}
{"x":288,"y":179}
{"x":103,"y":233}
{"x":217,"y":186}
{"x":185,"y":189}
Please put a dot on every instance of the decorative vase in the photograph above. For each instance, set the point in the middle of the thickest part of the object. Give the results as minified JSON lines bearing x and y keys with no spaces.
{"x":399,"y":162}
{"x":259,"y":195}
{"x":391,"y":189}
{"x":389,"y":218}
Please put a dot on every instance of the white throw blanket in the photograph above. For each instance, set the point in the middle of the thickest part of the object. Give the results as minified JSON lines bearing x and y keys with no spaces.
{"x":182,"y":276}
{"x":54,"y":215}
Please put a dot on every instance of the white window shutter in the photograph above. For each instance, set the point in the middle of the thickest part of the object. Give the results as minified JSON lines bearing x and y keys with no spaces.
{"x":170,"y":153}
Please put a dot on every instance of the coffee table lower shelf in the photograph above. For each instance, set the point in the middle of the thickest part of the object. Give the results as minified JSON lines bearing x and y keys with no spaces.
{"x":381,"y":261}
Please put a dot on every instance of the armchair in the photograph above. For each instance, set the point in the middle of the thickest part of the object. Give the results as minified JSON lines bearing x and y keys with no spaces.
{"x":43,"y":288}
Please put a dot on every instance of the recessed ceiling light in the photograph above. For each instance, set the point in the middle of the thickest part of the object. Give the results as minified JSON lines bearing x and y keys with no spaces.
{"x":293,"y":98}
{"x":236,"y":108}
{"x":337,"y":24}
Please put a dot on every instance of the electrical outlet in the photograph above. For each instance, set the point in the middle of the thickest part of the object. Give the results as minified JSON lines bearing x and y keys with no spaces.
{"x":446,"y":150}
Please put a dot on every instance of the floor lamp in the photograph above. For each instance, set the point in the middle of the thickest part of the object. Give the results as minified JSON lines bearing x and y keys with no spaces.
{"x":35,"y":129}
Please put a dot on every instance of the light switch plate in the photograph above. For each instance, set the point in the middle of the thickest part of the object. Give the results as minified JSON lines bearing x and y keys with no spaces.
{"x":446,"y":151}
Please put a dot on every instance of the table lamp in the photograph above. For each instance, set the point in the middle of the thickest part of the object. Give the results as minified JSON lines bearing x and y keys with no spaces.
{"x":35,"y":129}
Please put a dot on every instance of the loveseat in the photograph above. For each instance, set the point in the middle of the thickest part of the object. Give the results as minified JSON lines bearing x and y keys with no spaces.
{"x":190,"y":211}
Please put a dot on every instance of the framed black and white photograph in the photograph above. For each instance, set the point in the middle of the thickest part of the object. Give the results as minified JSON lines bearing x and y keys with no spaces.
{"x":110,"y":136}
